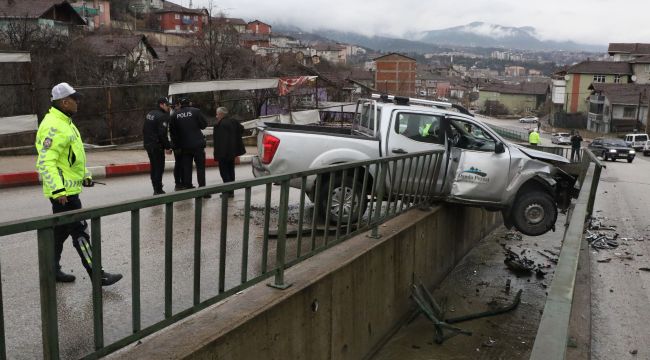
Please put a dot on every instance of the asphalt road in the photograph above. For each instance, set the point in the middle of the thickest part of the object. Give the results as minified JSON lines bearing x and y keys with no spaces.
{"x":18,"y":258}
{"x":620,"y":291}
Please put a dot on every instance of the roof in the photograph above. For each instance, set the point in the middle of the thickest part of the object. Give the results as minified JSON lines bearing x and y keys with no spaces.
{"x":622,"y":94}
{"x":524,"y":88}
{"x":231,"y":21}
{"x":116,"y":45}
{"x":175,"y":8}
{"x":35,"y":9}
{"x":259,"y":22}
{"x":394,"y":54}
{"x":629,"y":48}
{"x":601,"y":67}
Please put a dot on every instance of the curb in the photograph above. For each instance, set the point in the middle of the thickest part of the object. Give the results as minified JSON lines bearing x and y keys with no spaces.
{"x":100,"y":172}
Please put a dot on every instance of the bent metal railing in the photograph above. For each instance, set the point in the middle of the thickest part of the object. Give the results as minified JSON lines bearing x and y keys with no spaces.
{"x":412,"y":177}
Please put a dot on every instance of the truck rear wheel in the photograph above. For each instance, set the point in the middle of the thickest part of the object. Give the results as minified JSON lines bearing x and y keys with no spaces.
{"x":534,"y":213}
{"x":351,"y":207}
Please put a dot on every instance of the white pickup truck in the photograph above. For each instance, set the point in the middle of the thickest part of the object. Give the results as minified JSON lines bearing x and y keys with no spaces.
{"x":479,"y":168}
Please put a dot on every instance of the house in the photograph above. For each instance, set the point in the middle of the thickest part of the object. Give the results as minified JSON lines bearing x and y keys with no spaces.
{"x":131,"y":53}
{"x":176,"y":19}
{"x":174,"y":64}
{"x":432,"y":86}
{"x":254,"y":41}
{"x":146,"y":6}
{"x":641,"y":70}
{"x":580,"y":76}
{"x":259,"y":28}
{"x":333,"y":53}
{"x":96,"y":13}
{"x":521,"y":98}
{"x":395,"y":74}
{"x":628,"y":51}
{"x":53,"y":14}
{"x":238,"y":25}
{"x":514,"y":71}
{"x":284,"y":41}
{"x":618,"y":107}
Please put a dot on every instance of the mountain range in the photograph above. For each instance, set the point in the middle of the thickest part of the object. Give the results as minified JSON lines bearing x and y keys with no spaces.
{"x":476,"y":34}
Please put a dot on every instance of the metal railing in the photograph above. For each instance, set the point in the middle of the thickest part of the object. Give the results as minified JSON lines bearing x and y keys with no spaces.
{"x":386,"y":187}
{"x":511,"y":134}
{"x":552,"y":334}
{"x":562,"y":151}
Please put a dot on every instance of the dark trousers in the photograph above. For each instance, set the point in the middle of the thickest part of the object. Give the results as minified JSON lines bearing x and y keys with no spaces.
{"x":575,"y":154}
{"x":178,"y":167}
{"x":157,"y":161}
{"x":77,"y":230}
{"x":198,"y":157}
{"x":227,"y":169}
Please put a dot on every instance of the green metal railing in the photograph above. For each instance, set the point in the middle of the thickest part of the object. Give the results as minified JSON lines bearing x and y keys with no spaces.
{"x":552,"y":335}
{"x":511,"y":134}
{"x":387,"y":187}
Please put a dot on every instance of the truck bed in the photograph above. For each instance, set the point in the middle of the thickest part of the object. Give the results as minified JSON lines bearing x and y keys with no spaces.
{"x":315,"y":129}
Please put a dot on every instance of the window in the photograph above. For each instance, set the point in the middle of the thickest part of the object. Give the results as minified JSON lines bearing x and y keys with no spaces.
{"x":599,"y":78}
{"x":647,"y":68}
{"x":617,"y":78}
{"x":178,"y":28}
{"x":629,"y":111}
{"x":466,"y":135}
{"x":196,"y":28}
{"x":367,"y":118}
{"x":177,"y":16}
{"x":420,"y":127}
{"x":196,"y":18}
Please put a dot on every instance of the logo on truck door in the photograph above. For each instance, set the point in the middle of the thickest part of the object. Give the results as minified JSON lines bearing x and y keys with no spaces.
{"x":473,"y":175}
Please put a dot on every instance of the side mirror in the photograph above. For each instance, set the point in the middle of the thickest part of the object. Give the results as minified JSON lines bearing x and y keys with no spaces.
{"x":499,"y":148}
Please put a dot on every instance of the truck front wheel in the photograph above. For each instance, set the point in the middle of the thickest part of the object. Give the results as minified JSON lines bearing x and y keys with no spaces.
{"x":534,"y":213}
{"x":353,"y":201}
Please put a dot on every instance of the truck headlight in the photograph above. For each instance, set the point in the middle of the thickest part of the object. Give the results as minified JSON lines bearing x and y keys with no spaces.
{"x":612,"y":150}
{"x":632,"y":151}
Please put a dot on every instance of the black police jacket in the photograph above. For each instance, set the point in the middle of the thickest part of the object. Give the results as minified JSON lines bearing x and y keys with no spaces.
{"x":154,"y":131}
{"x":185,"y":128}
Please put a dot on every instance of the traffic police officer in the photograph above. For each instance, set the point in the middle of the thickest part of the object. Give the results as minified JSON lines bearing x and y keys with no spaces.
{"x":154,"y":134}
{"x":61,"y":164}
{"x":185,"y":130}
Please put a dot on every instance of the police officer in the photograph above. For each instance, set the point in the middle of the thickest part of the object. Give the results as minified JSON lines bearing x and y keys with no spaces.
{"x":61,"y":163}
{"x":178,"y":161}
{"x":185,"y":130}
{"x":154,"y":133}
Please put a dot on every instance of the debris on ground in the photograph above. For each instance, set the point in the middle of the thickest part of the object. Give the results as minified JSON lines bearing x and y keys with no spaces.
{"x":644,"y":269}
{"x":551,"y":259}
{"x":489,"y":343}
{"x":606,"y":260}
{"x":601,"y":241}
{"x":513,"y":235}
{"x":520,"y":264}
{"x":596,"y":223}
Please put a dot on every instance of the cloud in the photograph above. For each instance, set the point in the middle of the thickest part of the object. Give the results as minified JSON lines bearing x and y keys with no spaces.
{"x":586,"y":21}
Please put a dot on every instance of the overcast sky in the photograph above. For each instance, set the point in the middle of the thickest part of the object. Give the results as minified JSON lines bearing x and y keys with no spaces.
{"x":597,"y":22}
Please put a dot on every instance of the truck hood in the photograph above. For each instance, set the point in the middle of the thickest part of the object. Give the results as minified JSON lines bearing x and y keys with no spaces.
{"x":541,"y":155}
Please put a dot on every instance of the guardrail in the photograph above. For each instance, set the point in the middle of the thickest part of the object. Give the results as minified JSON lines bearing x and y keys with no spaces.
{"x":509,"y":133}
{"x":552,"y":334}
{"x":361,"y":185}
{"x":562,"y":151}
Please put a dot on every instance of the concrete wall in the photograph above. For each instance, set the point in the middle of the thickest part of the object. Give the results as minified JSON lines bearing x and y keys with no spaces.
{"x":343,"y":303}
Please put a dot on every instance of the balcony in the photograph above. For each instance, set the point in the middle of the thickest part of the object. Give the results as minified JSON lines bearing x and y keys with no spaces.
{"x":597,"y":99}
{"x":595,"y":118}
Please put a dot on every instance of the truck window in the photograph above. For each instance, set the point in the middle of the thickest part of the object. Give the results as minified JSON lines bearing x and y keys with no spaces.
{"x":466,"y":135}
{"x":367,"y":118}
{"x":419,"y":127}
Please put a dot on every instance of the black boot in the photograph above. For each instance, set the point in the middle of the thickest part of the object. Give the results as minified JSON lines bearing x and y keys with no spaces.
{"x":110,"y":279}
{"x":63,"y":277}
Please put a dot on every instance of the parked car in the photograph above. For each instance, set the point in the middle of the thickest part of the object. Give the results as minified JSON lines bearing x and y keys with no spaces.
{"x":529,"y":119}
{"x":561,"y":138}
{"x":646,"y":148}
{"x":612,"y":149}
{"x":636,"y":141}
{"x":528,"y":186}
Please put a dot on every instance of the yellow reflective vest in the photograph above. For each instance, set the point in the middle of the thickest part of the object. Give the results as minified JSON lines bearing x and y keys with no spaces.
{"x":61,"y":161}
{"x":533,"y":138}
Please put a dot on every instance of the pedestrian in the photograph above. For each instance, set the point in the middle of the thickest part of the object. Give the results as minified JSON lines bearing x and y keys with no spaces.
{"x":156,"y":142}
{"x":61,"y":164}
{"x":185,"y":130}
{"x":576,"y":142}
{"x":533,"y":138}
{"x":228,"y":144}
{"x":178,"y":158}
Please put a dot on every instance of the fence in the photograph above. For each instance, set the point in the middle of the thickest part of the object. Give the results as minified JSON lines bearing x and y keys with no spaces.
{"x":385,"y":187}
{"x":510,"y":133}
{"x":552,"y":334}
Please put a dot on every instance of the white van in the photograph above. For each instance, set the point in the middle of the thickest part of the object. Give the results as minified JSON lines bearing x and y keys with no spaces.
{"x":636,"y":141}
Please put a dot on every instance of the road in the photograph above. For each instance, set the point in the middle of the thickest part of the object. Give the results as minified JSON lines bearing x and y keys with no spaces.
{"x":18,"y":258}
{"x":514,"y":124}
{"x":620,"y":291}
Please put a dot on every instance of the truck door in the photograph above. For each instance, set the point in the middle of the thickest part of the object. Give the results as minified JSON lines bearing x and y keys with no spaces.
{"x":479,"y":164}
{"x":410,"y":132}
